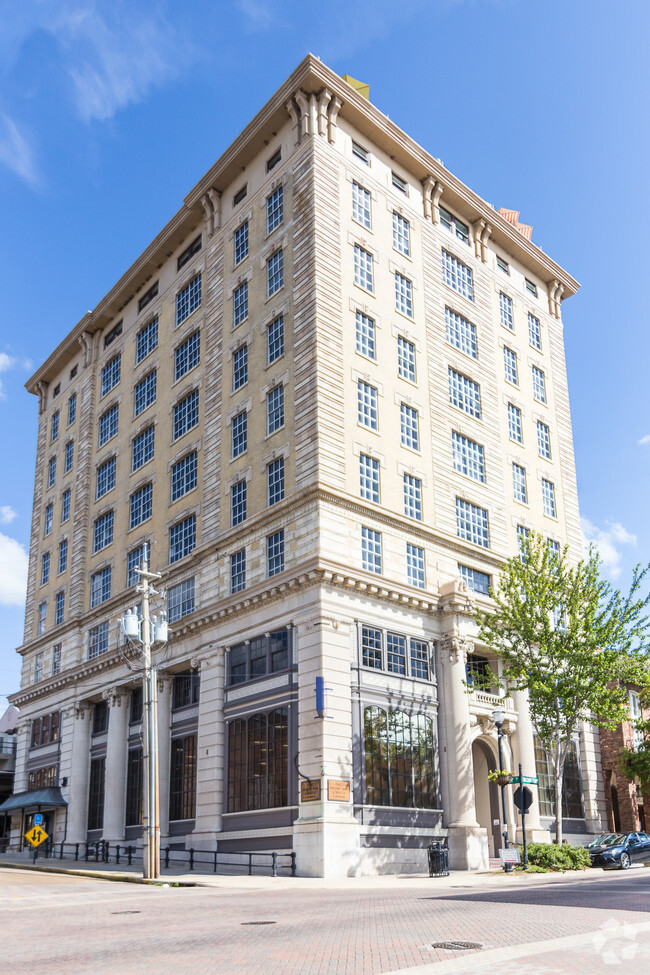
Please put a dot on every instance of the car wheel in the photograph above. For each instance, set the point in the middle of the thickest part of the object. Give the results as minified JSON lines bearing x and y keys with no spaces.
{"x":625,"y":861}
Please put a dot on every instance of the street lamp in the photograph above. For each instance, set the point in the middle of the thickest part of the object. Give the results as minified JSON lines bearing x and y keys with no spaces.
{"x":148,"y":632}
{"x":499,"y":716}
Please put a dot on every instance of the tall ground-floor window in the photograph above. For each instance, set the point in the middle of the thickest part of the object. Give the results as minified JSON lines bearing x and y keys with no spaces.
{"x":258,"y":761}
{"x":399,"y":759}
{"x":571,"y":784}
{"x":96,"y":793}
{"x":182,"y":779}
{"x":133,"y":810}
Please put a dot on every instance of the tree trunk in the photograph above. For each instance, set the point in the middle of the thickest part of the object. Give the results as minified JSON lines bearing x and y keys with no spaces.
{"x":558,"y":802}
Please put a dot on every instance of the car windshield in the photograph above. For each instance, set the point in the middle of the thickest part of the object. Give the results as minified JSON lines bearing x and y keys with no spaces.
{"x":609,"y":839}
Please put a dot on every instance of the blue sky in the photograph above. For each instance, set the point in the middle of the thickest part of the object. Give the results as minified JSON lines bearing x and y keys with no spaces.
{"x":111,"y":111}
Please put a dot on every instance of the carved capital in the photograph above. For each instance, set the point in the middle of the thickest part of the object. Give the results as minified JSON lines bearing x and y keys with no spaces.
{"x":456,"y":648}
{"x":113,"y":695}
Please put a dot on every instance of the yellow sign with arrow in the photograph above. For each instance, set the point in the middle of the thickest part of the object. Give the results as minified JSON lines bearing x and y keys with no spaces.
{"x":36,"y":835}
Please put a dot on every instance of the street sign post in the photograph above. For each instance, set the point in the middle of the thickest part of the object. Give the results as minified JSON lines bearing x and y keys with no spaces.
{"x":525,"y":779}
{"x":35,"y":836}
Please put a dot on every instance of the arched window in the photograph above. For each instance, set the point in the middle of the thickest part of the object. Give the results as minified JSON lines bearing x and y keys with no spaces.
{"x":398,"y":759}
{"x":258,"y":761}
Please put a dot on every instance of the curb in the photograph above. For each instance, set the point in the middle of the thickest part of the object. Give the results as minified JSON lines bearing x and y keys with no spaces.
{"x":123,"y":878}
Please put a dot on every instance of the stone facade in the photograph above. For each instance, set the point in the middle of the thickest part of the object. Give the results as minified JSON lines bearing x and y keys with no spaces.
{"x":310,"y":398}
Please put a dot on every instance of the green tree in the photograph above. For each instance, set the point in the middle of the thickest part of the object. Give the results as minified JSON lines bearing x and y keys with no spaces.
{"x":635,"y":762}
{"x":568,"y":638}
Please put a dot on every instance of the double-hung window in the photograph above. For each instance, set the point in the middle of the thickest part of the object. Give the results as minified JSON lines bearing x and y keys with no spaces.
{"x":539,"y":385}
{"x":415,"y":565}
{"x":238,"y":493}
{"x":186,"y":414}
{"x":100,"y":587}
{"x":188,"y":300}
{"x":363,"y":269}
{"x":520,"y":492}
{"x":187,"y":355}
{"x":72,"y":408}
{"x":274,"y":273}
{"x":275,"y":481}
{"x":548,"y":498}
{"x":65,"y":505}
{"x":135,"y":560}
{"x":405,"y":358}
{"x":103,"y":531}
{"x":472,"y":523}
{"x":369,"y":478}
{"x":543,"y":440}
{"x":275,"y":553}
{"x":68,"y":456}
{"x":365,"y":331}
{"x":241,"y":242}
{"x":239,"y":367}
{"x":370,"y":550}
{"x":146,"y":341}
{"x":403,"y":295}
{"x":63,"y":555}
{"x":505,"y":311}
{"x":54,"y":428}
{"x":274,"y":209}
{"x":51,"y":472}
{"x":49,"y":518}
{"x":142,"y":448}
{"x":457,"y":275}
{"x":367,"y":405}
{"x":42,"y":619}
{"x":238,"y":571}
{"x":144,"y":393}
{"x":360,"y":204}
{"x":140,"y":505}
{"x":59,"y":608}
{"x":180,"y":600}
{"x":45,"y":568}
{"x":275,"y":409}
{"x":534,"y":332}
{"x":239,"y":428}
{"x":401,"y":234}
{"x":409,"y":427}
{"x":108,"y":425}
{"x":275,"y":339}
{"x":454,"y":225}
{"x":510,"y":365}
{"x":182,"y":538}
{"x":514,"y":423}
{"x":97,"y":640}
{"x":464,"y":393}
{"x":240,"y":304}
{"x":110,"y":375}
{"x":184,"y":476}
{"x":105,"y":478}
{"x":468,"y":457}
{"x":412,"y":497}
{"x":476,"y":581}
{"x":461,"y":333}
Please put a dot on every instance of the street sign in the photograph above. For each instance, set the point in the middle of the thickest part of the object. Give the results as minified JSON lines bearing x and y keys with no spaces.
{"x":38,"y":819}
{"x":526,"y":779}
{"x":36,"y":836}
{"x":510,"y":856}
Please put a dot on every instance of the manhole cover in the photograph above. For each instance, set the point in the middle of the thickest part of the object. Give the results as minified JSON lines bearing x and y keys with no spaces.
{"x":456,"y":945}
{"x":259,"y":922}
{"x":126,"y":912}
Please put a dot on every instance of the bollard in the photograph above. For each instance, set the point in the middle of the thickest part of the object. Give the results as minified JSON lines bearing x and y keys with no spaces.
{"x":191,"y":859}
{"x":293,"y":863}
{"x":166,"y":856}
{"x":274,"y":862}
{"x":250,"y":864}
{"x":215,"y":861}
{"x":129,"y":853}
{"x":76,"y":851}
{"x":117,"y":854}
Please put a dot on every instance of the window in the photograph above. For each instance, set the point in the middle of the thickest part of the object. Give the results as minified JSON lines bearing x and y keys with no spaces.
{"x":523,"y":535}
{"x":543,"y":440}
{"x":553,"y":547}
{"x":103,"y":531}
{"x":412,"y":497}
{"x":238,"y":571}
{"x":274,"y":160}
{"x":45,"y":730}
{"x":65,"y":506}
{"x":274,"y":273}
{"x":240,"y":304}
{"x":415,"y":565}
{"x":188,"y":300}
{"x":43,"y":778}
{"x":146,"y":340}
{"x":531,"y":287}
{"x":182,"y":538}
{"x":241,"y":242}
{"x":184,"y":476}
{"x":461,"y":333}
{"x":49,"y":518}
{"x":186,"y":689}
{"x":363,"y":268}
{"x":134,"y":780}
{"x":468,"y":457}
{"x":503,"y":265}
{"x":409,"y":427}
{"x":394,"y":652}
{"x":514,"y":423}
{"x":113,"y":334}
{"x":275,"y":553}
{"x":182,"y":776}
{"x":360,"y":204}
{"x":186,"y":415}
{"x":464,"y":393}
{"x":275,"y":339}
{"x":97,"y":640}
{"x":367,"y":405}
{"x":54,"y":427}
{"x":142,"y":448}
{"x":144,"y":393}
{"x":56,"y":659}
{"x":539,"y":385}
{"x":370,"y":549}
{"x":399,"y":183}
{"x":63,"y":555}
{"x":240,"y":195}
{"x":238,"y":503}
{"x":258,"y":761}
{"x":68,"y":457}
{"x":186,"y":256}
{"x":510,"y":365}
{"x":187,"y":355}
{"x":365,"y":327}
{"x":519,"y":483}
{"x":403,"y":295}
{"x":42,"y":619}
{"x":108,"y":425}
{"x":135,"y":560}
{"x":110,"y":375}
{"x":534,"y":332}
{"x":406,"y":358}
{"x":100,"y":587}
{"x":571,"y":784}
{"x":45,"y":568}
{"x":275,"y":481}
{"x":96,"y":793}
{"x":57,"y":389}
{"x":505,"y":310}
{"x":73,"y":372}
{"x":148,"y":297}
{"x":369,"y":478}
{"x":475,"y":581}
{"x":240,"y":367}
{"x":140,"y":506}
{"x":454,"y":225}
{"x":59,"y":607}
{"x":472,"y":523}
{"x":105,"y":480}
{"x":180,"y":600}
{"x":399,"y":761}
{"x":239,"y":434}
{"x":267,"y":654}
{"x":360,"y":153}
{"x":72,"y":409}
{"x":51,"y":472}
{"x":39,"y":666}
{"x":274,"y":209}
{"x":457,"y":275}
{"x":274,"y":409}
{"x":548,"y":498}
{"x":401,"y":234}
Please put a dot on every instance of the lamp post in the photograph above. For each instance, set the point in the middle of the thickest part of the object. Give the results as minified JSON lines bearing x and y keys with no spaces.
{"x":498,"y":716}
{"x":148,"y":632}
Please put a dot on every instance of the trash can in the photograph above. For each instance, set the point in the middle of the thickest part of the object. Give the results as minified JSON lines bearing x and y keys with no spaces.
{"x":438,"y":859}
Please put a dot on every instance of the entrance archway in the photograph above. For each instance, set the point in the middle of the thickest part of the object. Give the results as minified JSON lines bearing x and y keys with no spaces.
{"x":486,"y":795}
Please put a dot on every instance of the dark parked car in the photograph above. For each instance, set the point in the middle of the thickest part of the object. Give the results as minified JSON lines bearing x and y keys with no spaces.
{"x":619,"y":849}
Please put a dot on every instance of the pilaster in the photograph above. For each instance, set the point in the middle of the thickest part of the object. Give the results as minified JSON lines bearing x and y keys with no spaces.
{"x":116,"y":759}
{"x":210,"y":751}
{"x":77,"y":724}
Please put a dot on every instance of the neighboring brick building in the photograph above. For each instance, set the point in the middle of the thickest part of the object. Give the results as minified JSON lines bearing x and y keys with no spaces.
{"x":628,"y":807}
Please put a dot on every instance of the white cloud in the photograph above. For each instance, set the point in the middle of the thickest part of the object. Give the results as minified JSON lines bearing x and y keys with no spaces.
{"x":15,"y":151}
{"x":258,"y":15}
{"x":607,"y":541}
{"x":13,"y":572}
{"x":7,"y":514}
{"x":644,"y":440}
{"x":8,"y":362}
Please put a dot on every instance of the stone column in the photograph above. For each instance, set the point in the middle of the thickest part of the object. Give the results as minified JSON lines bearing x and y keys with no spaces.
{"x":209,"y":753}
{"x":164,"y":722}
{"x":116,"y":758}
{"x":23,"y":736}
{"x":523,"y":750}
{"x":77,"y":725}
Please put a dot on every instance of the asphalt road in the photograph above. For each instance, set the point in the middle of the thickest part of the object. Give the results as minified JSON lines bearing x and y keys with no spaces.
{"x":66,"y":925}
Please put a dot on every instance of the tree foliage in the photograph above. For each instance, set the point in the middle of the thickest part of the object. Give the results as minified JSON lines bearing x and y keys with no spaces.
{"x":635,"y":762}
{"x":570,"y":640}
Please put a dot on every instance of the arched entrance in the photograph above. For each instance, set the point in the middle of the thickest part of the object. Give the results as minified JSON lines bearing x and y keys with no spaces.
{"x":486,"y":795}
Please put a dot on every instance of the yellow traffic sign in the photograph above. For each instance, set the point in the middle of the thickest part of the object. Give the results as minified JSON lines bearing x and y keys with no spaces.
{"x":36,"y":835}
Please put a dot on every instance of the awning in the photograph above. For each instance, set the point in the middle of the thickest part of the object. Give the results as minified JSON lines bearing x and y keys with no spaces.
{"x":45,"y":798}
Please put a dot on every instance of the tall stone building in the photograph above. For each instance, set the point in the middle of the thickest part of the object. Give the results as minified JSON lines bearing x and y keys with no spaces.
{"x":328,"y":400}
